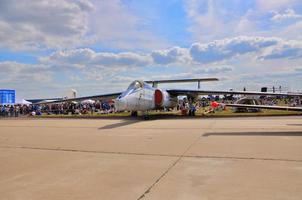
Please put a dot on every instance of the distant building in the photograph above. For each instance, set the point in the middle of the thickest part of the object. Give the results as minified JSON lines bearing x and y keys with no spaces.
{"x":7,"y":97}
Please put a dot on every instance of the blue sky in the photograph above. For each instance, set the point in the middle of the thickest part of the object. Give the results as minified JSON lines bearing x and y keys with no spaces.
{"x":48,"y":47}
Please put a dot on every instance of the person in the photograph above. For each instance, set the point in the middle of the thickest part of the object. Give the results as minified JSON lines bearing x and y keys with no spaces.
{"x":192,"y":110}
{"x":17,"y":110}
{"x":11,"y":111}
{"x":6,"y":114}
{"x":2,"y":111}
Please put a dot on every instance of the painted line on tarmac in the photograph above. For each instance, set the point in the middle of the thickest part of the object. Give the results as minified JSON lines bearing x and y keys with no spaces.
{"x":151,"y":154}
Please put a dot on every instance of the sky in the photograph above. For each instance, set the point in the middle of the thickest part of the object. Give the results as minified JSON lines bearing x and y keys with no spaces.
{"x":48,"y":47}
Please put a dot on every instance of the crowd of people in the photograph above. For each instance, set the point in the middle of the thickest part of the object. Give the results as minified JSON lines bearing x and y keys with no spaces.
{"x":18,"y":110}
{"x":78,"y":108}
{"x":184,"y":106}
{"x":15,"y":110}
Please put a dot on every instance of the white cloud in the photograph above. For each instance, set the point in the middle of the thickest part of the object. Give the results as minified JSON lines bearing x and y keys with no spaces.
{"x":245,"y":25}
{"x":284,"y":49}
{"x":77,"y":58}
{"x":40,"y":24}
{"x":199,"y":53}
{"x":213,"y":70}
{"x":213,"y":19}
{"x":233,"y":57}
{"x":121,"y":59}
{"x":275,"y":4}
{"x":51,"y":24}
{"x":19,"y":73}
{"x":286,"y":15}
{"x":206,"y":23}
{"x":114,"y":24}
{"x":172,"y":55}
{"x":276,"y":78}
{"x":220,"y":50}
{"x":87,"y":58}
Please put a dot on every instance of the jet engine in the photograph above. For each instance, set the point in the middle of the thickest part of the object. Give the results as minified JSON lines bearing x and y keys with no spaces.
{"x":163,"y":99}
{"x":247,"y":101}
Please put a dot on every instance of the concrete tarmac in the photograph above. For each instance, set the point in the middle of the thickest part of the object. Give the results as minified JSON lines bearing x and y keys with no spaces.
{"x":216,"y":158}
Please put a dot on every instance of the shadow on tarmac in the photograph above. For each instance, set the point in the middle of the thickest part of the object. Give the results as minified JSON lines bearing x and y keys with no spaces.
{"x":294,"y":124}
{"x":283,"y":133}
{"x":120,"y":124}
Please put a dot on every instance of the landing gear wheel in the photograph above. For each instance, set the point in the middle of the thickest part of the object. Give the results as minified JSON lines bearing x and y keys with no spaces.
{"x":133,"y":113}
{"x":146,"y":117}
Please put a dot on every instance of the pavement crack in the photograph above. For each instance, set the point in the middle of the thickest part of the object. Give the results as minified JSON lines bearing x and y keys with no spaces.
{"x":243,"y":158}
{"x":168,"y":170}
{"x":159,"y":178}
{"x":86,"y":151}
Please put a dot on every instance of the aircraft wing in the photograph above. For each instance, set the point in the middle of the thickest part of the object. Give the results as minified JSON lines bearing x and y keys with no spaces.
{"x":101,"y":97}
{"x":198,"y":80}
{"x":179,"y":92}
{"x":265,"y":107}
{"x":183,"y":80}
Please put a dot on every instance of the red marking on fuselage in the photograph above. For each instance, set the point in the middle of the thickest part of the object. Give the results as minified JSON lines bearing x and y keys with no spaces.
{"x":158,"y":97}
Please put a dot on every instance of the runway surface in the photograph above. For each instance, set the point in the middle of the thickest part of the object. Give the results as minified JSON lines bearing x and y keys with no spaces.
{"x":225,"y":158}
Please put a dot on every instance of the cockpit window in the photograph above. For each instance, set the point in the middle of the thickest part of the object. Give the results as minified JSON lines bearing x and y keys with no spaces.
{"x":135,"y":85}
{"x":132,"y":87}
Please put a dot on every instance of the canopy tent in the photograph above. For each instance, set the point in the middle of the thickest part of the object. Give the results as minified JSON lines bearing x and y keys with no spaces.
{"x":24,"y":102}
{"x":88,"y":101}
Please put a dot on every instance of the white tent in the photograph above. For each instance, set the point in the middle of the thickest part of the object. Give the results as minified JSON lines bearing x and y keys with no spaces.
{"x":46,"y":101}
{"x":88,"y":101}
{"x":24,"y":102}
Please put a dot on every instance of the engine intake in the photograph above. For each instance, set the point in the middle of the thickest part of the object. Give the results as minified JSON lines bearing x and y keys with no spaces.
{"x":158,"y":98}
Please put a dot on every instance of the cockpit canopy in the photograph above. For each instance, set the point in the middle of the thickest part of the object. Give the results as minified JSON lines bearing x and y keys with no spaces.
{"x":133,"y":87}
{"x":136,"y":85}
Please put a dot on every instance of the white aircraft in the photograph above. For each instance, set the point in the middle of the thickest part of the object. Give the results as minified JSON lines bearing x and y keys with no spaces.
{"x":140,"y":96}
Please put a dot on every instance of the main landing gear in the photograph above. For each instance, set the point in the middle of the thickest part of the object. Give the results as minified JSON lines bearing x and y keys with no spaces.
{"x":133,"y":113}
{"x":145,"y":114}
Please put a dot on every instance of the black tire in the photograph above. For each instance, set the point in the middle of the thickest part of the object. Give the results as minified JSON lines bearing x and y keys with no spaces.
{"x":146,"y":117}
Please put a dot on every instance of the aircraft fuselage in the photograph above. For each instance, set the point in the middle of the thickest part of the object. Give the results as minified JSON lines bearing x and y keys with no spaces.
{"x":142,"y":97}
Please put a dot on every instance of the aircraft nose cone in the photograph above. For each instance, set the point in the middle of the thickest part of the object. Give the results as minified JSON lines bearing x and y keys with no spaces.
{"x":120,"y":104}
